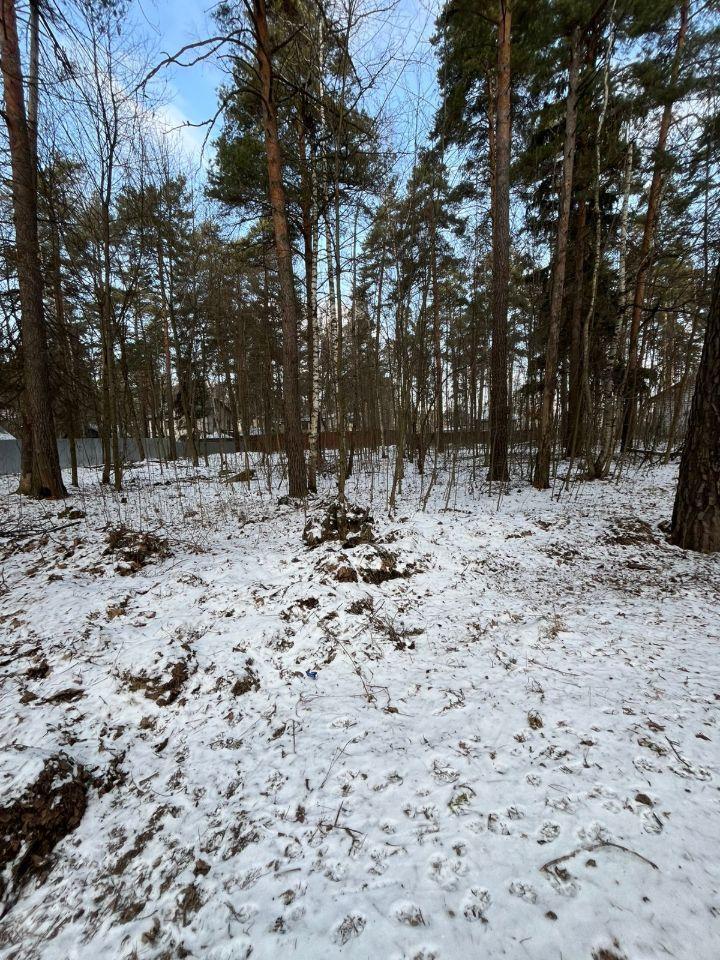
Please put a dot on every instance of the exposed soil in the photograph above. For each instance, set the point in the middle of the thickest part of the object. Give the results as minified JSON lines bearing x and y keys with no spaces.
{"x":30,"y":827}
{"x":134,"y":549}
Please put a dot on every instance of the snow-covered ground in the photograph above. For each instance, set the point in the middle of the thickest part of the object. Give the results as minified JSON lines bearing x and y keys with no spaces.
{"x":511,"y":750}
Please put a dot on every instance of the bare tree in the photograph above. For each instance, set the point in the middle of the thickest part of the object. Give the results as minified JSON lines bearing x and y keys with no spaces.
{"x":541,"y":479}
{"x":45,"y":478}
{"x":499,"y":408}
{"x":297,"y":478}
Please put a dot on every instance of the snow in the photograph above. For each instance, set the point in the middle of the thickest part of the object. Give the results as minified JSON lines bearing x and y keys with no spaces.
{"x":510,"y":750}
{"x":18,"y":769}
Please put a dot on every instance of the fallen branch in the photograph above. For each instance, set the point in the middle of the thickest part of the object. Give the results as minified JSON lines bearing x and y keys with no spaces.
{"x":682,"y":760}
{"x":20,"y":534}
{"x":596,"y":846}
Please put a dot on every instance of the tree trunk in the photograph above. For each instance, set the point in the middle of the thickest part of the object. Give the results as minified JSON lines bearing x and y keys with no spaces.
{"x":541,"y":480}
{"x":297,"y":479}
{"x":653,"y":209}
{"x":108,"y":320}
{"x":437,"y":332}
{"x":696,"y":516}
{"x":575,"y":423}
{"x":310,"y":237}
{"x":592,"y":446}
{"x":314,"y":351}
{"x":612,"y":406}
{"x":499,"y":411}
{"x":46,"y":477}
{"x":169,"y":392}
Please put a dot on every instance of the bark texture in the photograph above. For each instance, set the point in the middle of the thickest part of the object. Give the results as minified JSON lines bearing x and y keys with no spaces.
{"x":297,"y":479}
{"x":46,"y":477}
{"x":696,"y":515}
{"x":499,"y":408}
{"x":541,"y":480}
{"x":632,"y":382}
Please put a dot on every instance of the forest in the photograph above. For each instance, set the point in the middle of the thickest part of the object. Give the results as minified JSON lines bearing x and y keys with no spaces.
{"x":360,"y":477}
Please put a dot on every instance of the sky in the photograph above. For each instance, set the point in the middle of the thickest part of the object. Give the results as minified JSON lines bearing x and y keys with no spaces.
{"x":190,"y":93}
{"x":408,"y":85}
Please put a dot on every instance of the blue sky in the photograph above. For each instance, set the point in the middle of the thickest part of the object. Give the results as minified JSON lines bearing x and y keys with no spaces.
{"x":191,"y":93}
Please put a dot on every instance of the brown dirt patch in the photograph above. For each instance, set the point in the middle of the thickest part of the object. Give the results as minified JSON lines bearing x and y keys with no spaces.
{"x":33,"y":824}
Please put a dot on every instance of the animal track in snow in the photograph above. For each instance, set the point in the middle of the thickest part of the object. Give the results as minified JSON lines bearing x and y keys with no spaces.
{"x":595,"y":832}
{"x":392,"y":779}
{"x":349,"y":928}
{"x":526,"y":891}
{"x":336,"y":870}
{"x":240,"y":948}
{"x":409,"y":913}
{"x":651,"y":822}
{"x":547,"y":831}
{"x":446,"y":872}
{"x":497,"y":824}
{"x":645,"y":765}
{"x":244,"y":914}
{"x":344,"y":723}
{"x":379,"y":856}
{"x":562,"y":880}
{"x":476,"y":904}
{"x":443,"y":772}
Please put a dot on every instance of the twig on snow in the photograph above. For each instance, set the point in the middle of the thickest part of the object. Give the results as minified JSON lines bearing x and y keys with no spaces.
{"x":596,"y":846}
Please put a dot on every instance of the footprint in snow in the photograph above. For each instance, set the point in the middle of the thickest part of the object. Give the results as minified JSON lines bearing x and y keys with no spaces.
{"x":548,"y":831}
{"x":249,"y":878}
{"x":378,"y":856}
{"x":344,"y":723}
{"x":336,"y":870}
{"x":651,"y":822}
{"x":239,"y":948}
{"x":296,"y":913}
{"x":562,"y":880}
{"x":526,"y":891}
{"x":348,"y":928}
{"x":443,"y":772}
{"x":409,"y":913}
{"x":476,"y":904}
{"x":691,"y":772}
{"x":445,"y":872}
{"x":497,"y":824}
{"x":595,"y":832}
{"x":244,"y":914}
{"x":477,"y":824}
{"x":393,"y":779}
{"x":645,"y":765}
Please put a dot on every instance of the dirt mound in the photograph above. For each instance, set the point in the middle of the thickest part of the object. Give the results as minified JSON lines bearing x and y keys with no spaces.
{"x":246,"y":683}
{"x":631,"y":532}
{"x":346,"y":522}
{"x":134,"y":549}
{"x":378,"y":565}
{"x":49,"y":807}
{"x":370,"y":563}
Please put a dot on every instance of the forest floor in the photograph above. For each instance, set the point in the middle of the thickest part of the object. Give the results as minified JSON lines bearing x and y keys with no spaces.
{"x":494,"y":732}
